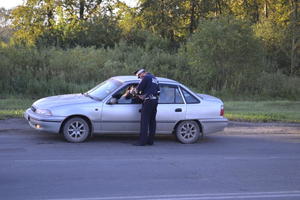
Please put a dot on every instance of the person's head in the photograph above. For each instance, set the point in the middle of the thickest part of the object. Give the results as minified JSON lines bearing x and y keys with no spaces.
{"x":140,"y":73}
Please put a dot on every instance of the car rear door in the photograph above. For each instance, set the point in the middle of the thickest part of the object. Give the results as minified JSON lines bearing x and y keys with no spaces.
{"x":171,"y":108}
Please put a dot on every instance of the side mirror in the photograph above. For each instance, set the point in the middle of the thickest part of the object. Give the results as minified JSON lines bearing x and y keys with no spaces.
{"x":112,"y":101}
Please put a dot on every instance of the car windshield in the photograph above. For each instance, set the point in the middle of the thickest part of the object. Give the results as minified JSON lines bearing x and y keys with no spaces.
{"x":103,"y":89}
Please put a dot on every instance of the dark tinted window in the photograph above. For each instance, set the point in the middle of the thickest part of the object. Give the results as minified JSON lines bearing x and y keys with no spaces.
{"x":170,"y":94}
{"x":189,"y":98}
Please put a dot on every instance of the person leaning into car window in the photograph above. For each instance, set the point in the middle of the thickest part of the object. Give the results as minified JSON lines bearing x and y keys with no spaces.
{"x":129,"y":94}
{"x":148,"y":91}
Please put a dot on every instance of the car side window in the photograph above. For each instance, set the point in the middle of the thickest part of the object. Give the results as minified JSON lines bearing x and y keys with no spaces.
{"x":124,"y":97}
{"x":189,"y":98}
{"x":169,"y":94}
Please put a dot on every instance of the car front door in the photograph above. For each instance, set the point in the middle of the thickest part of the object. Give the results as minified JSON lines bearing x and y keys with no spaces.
{"x":171,"y":108}
{"x":121,"y":114}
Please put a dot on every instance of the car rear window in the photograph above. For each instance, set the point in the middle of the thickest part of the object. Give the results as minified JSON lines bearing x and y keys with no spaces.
{"x":189,"y":98}
{"x":169,"y":94}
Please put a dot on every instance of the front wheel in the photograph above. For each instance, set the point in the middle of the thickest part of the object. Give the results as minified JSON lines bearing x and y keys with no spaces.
{"x":76,"y":130}
{"x":188,"y":132}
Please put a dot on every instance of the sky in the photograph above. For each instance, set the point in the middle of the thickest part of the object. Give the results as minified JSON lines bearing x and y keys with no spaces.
{"x":8,"y":4}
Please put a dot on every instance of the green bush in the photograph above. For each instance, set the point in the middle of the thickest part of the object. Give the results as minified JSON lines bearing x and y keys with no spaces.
{"x":48,"y":71}
{"x":35,"y":73}
{"x":278,"y":85}
{"x":224,"y":55}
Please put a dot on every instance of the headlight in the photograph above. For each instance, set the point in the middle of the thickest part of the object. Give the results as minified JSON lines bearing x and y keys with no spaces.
{"x":43,"y":112}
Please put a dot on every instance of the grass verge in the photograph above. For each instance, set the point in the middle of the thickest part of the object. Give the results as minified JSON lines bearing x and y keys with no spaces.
{"x":251,"y":111}
{"x":14,"y":107}
{"x":263,"y":111}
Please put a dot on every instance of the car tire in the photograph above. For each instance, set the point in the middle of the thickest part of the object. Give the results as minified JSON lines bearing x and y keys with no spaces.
{"x":188,"y":132}
{"x":76,"y":130}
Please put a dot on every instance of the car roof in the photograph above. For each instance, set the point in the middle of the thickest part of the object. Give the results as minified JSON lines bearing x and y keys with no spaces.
{"x":134,"y":78}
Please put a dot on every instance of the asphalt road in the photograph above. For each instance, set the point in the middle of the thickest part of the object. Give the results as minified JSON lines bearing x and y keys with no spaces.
{"x":227,"y":165}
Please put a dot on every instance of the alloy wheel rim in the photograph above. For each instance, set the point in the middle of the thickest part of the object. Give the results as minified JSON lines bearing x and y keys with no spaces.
{"x":188,"y":131}
{"x":76,"y":129}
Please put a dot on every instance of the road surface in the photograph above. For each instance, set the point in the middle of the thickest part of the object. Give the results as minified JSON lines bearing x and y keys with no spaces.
{"x":239,"y":163}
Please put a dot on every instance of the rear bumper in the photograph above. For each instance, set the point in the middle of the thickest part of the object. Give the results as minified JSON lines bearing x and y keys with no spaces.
{"x":43,"y":123}
{"x":213,"y":125}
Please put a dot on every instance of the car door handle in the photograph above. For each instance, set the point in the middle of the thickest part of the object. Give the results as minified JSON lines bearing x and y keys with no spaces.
{"x":140,"y":110}
{"x":178,"y":110}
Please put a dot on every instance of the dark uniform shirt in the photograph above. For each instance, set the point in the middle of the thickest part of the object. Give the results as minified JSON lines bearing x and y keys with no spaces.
{"x":148,"y":86}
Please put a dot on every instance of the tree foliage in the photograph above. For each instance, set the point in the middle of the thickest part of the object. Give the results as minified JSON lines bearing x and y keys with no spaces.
{"x":222,"y":52}
{"x":59,"y":22}
{"x":222,"y":44}
{"x":5,"y":29}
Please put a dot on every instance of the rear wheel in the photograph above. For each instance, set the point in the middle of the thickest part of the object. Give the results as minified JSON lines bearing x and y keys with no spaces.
{"x":76,"y":130}
{"x":188,"y":132}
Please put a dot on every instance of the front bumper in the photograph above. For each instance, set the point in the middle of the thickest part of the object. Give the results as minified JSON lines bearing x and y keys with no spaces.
{"x":43,"y":123}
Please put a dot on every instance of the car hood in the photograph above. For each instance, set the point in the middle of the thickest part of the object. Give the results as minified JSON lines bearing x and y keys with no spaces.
{"x":62,"y":100}
{"x":209,"y":98}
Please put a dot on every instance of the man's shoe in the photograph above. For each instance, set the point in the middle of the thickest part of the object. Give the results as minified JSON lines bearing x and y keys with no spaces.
{"x":138,"y":144}
{"x":150,"y":143}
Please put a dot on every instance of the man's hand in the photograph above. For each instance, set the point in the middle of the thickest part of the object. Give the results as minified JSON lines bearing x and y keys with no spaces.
{"x":142,"y":97}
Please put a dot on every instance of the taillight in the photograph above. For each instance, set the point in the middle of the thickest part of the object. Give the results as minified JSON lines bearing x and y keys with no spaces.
{"x":222,"y":110}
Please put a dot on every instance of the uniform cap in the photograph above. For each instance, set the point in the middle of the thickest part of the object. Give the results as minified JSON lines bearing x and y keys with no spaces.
{"x":138,"y":72}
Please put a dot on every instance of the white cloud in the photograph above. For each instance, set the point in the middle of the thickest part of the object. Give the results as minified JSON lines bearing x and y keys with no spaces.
{"x":8,"y":4}
{"x":131,"y":3}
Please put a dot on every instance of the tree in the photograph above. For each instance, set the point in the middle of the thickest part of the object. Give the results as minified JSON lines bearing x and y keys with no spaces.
{"x":5,"y":29}
{"x":51,"y":20}
{"x":101,"y":32}
{"x":224,"y":54}
{"x":161,"y":17}
{"x":295,"y":37}
{"x":32,"y":19}
{"x":247,"y":9}
{"x":176,"y":19}
{"x":280,"y":32}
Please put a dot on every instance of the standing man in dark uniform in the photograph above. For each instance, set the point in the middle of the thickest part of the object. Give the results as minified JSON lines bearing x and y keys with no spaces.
{"x":148,"y":91}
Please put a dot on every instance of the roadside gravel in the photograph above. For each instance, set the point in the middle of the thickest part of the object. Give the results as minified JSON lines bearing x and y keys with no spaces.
{"x":262,"y":128}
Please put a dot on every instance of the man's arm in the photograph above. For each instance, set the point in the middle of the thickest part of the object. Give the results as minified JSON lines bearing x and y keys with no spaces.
{"x":141,"y":87}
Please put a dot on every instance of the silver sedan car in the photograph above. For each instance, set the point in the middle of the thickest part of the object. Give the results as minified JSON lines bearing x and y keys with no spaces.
{"x":107,"y":109}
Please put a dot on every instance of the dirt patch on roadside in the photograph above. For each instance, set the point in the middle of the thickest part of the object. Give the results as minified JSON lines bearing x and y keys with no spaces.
{"x":262,"y":128}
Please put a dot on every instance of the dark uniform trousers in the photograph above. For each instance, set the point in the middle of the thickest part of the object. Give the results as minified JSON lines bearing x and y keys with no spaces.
{"x":148,"y":121}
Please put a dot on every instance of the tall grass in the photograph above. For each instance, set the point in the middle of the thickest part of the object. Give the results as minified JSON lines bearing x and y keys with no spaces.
{"x":14,"y":107}
{"x":263,"y":111}
{"x":33,"y":72}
